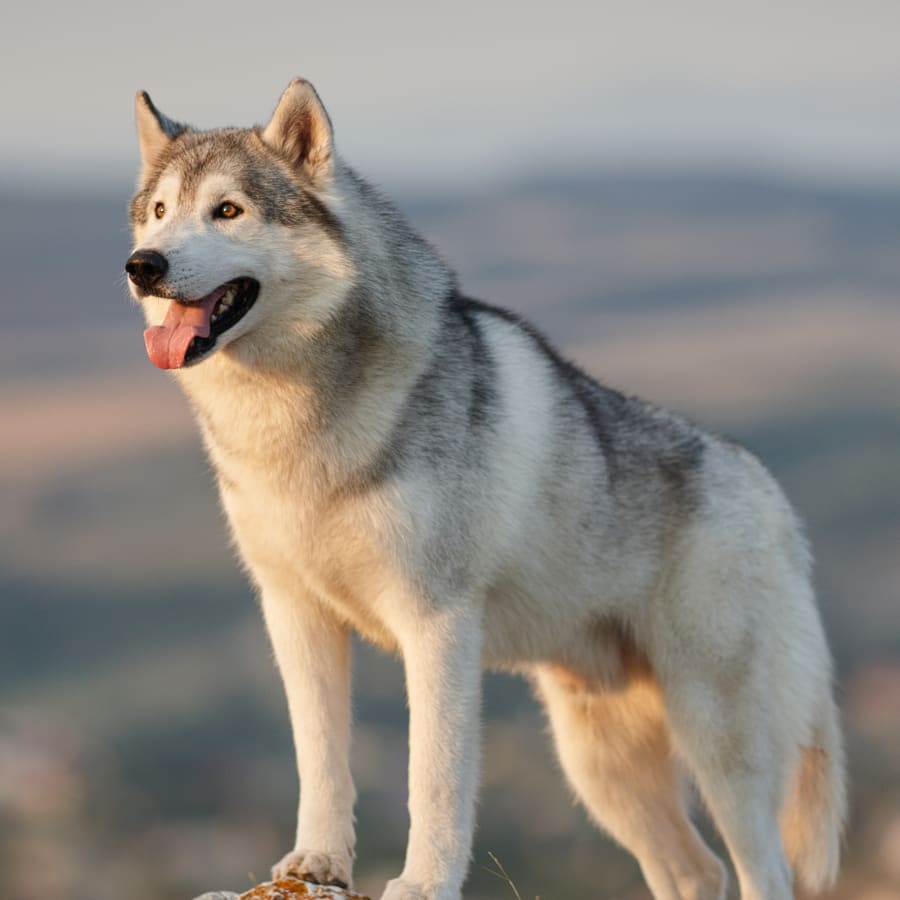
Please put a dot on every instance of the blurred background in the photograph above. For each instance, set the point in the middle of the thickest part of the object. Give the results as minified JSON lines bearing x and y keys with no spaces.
{"x":700,"y":202}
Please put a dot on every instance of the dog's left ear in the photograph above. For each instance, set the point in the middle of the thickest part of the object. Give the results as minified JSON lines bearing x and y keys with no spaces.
{"x":301,"y":130}
{"x":155,"y":131}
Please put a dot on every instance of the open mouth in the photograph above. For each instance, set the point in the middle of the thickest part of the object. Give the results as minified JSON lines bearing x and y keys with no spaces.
{"x":235,"y":302}
{"x":191,"y":327}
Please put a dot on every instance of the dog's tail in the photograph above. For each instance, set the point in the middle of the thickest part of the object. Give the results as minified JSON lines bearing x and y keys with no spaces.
{"x":812,"y":820}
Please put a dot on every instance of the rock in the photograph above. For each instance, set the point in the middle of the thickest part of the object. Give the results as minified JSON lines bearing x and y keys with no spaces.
{"x":287,"y":889}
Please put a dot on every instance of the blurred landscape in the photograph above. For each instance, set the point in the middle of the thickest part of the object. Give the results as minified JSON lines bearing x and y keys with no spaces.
{"x":144,"y":741}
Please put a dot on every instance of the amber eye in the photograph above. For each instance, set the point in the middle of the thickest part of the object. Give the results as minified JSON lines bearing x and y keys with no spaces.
{"x":159,"y":210}
{"x":226,"y":210}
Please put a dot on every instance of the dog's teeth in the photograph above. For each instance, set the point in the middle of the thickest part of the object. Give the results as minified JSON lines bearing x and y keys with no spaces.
{"x":223,"y":304}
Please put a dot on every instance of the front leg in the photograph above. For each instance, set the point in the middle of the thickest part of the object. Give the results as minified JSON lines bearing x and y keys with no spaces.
{"x":442,"y":658}
{"x":312,"y":650}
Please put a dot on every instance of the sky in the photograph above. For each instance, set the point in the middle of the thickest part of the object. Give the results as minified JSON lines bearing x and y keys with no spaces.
{"x":457,"y":93}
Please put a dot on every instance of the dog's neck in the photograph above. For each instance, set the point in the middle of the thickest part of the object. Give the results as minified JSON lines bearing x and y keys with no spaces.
{"x":327,"y":399}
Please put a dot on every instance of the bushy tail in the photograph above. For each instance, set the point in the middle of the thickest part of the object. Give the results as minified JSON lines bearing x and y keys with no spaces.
{"x":812,"y":820}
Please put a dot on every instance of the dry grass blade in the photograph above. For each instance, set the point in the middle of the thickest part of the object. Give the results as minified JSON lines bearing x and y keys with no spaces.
{"x":502,"y":874}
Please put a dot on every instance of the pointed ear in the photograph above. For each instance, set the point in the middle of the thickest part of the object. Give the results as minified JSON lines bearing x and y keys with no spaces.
{"x":300,"y":130}
{"x":155,"y":131}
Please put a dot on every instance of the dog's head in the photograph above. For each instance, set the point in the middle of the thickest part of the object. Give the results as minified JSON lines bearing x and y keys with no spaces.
{"x":236,"y":237}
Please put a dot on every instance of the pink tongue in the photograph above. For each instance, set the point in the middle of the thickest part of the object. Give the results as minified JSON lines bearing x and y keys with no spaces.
{"x":168,"y":343}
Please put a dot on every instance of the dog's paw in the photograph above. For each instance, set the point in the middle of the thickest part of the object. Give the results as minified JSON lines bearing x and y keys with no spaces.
{"x":312,"y":865}
{"x":399,"y":889}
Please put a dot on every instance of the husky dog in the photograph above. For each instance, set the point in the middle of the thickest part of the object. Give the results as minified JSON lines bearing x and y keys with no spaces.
{"x":399,"y":460}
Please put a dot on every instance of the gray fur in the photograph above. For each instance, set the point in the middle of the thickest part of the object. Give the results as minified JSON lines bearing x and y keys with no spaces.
{"x":282,"y":194}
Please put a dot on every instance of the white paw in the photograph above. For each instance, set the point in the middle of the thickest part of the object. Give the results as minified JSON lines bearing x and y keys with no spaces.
{"x":312,"y":865}
{"x":399,"y":889}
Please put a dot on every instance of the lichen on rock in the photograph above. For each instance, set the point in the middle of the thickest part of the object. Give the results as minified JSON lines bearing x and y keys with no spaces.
{"x":287,"y":889}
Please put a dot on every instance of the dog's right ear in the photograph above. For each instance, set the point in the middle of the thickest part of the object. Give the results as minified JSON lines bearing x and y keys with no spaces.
{"x":300,"y":130}
{"x":155,"y":131}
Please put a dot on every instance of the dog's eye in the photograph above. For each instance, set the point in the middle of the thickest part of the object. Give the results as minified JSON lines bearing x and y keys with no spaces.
{"x":159,"y":210}
{"x":226,"y":210}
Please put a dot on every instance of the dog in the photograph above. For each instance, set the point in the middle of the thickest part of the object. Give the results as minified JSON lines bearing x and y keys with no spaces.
{"x":400,"y":460}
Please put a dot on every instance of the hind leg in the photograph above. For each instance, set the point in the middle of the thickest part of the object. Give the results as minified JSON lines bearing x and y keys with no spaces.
{"x":724,"y":731}
{"x":614,"y":749}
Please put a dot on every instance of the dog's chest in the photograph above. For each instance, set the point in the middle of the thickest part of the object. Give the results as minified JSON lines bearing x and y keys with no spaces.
{"x":296,"y":541}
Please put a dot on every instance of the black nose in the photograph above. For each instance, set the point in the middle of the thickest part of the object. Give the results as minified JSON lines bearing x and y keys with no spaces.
{"x":146,"y":267}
